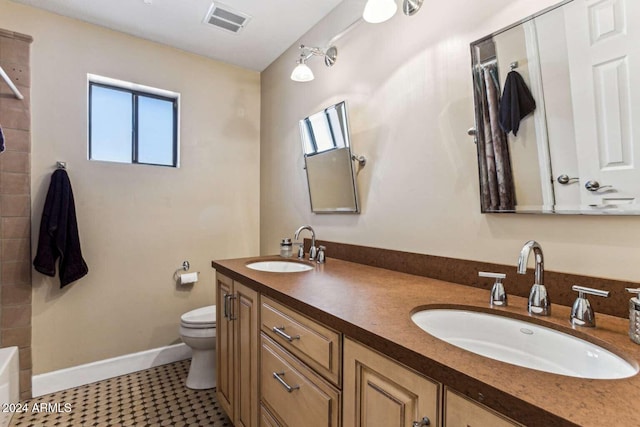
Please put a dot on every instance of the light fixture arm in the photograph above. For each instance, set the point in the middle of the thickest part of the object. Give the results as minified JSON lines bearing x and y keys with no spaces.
{"x":329,"y":54}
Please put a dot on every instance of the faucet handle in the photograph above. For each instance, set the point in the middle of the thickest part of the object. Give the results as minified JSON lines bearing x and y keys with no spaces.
{"x":498,"y":294}
{"x":321,"y":254}
{"x":498,"y":276}
{"x":581,"y":313}
{"x":300,"y":249}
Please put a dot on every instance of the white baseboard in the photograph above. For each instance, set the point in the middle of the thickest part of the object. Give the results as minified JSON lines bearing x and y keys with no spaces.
{"x":76,"y":376}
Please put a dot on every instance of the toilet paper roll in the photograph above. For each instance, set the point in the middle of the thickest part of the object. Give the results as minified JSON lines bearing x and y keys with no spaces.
{"x":188,"y":278}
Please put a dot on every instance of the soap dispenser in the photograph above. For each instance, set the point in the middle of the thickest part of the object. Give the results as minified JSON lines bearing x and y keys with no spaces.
{"x":634,"y":315}
{"x":498,"y":294}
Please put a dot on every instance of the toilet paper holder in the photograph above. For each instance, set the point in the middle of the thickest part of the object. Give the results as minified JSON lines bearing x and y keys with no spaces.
{"x":185,"y":267}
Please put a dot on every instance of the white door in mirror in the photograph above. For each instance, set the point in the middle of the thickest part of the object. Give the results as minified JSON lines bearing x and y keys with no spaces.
{"x":605,"y":56}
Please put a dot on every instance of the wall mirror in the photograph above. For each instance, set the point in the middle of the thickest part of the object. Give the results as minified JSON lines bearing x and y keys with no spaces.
{"x":577,"y":153}
{"x":328,"y":161}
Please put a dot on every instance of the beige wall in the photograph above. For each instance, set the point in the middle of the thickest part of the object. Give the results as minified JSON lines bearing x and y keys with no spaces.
{"x":137,"y":223}
{"x":408,"y":86}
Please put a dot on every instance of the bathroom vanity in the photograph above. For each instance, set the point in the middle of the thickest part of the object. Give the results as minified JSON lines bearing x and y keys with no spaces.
{"x":336,"y":346}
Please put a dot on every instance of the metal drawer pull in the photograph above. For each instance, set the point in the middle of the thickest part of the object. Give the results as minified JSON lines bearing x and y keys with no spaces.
{"x":226,"y":306}
{"x":424,"y":422}
{"x":231,"y":315}
{"x":278,"y":376}
{"x":280,"y":331}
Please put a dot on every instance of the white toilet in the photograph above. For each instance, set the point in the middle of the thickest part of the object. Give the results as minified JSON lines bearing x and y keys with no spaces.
{"x":198,"y":331}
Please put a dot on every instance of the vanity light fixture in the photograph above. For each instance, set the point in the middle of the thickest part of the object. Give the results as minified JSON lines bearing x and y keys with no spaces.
{"x":302,"y":72}
{"x":411,"y":7}
{"x":377,"y":11}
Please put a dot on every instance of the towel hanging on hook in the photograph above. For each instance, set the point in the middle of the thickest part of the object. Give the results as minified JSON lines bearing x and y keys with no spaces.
{"x":59,"y":240}
{"x":516,"y":103}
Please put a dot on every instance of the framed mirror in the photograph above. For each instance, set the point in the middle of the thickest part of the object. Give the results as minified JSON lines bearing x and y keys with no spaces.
{"x":575,"y":153}
{"x":328,"y":161}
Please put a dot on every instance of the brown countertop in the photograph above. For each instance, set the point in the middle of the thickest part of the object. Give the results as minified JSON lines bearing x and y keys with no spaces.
{"x":374,"y":306}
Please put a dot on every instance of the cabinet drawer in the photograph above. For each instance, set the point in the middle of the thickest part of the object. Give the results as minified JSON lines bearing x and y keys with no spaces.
{"x":460,"y":411}
{"x":266,"y":419}
{"x":293,"y":393}
{"x":313,"y":343}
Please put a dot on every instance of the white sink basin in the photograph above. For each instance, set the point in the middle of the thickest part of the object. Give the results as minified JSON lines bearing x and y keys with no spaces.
{"x":279,"y":266}
{"x":523,"y":344}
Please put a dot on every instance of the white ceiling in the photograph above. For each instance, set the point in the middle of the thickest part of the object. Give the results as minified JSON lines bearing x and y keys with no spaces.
{"x":275,"y":24}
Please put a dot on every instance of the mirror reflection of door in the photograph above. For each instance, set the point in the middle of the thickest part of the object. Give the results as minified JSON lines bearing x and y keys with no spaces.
{"x":576,"y":153}
{"x":604,"y":54}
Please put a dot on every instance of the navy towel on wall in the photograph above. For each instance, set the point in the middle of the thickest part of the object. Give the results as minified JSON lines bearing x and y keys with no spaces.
{"x":516,"y":103}
{"x":58,"y":236}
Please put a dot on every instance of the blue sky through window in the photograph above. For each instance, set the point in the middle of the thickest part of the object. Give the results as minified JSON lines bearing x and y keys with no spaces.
{"x":155,"y":131}
{"x":120,"y":134}
{"x":111,"y":125}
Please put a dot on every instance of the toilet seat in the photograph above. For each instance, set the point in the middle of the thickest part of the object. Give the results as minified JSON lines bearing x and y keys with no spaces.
{"x":199,"y":318}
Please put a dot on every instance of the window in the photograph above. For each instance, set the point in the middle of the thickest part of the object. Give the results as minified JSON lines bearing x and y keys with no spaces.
{"x":130,"y":123}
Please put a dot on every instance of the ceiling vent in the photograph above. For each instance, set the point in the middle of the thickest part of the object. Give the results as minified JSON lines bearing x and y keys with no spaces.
{"x":224,"y":17}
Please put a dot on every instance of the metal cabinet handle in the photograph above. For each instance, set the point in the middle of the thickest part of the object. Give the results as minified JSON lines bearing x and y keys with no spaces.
{"x":278,"y":376}
{"x":595,"y":186}
{"x":424,"y":422}
{"x":226,"y":305}
{"x":280,"y":331}
{"x":564,"y":179}
{"x":231,"y":315}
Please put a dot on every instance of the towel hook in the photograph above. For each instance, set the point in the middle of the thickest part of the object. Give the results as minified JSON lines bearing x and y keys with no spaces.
{"x":61,"y":165}
{"x":513,"y":65}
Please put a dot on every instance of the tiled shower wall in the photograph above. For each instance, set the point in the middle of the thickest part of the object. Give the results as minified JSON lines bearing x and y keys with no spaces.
{"x":15,"y":202}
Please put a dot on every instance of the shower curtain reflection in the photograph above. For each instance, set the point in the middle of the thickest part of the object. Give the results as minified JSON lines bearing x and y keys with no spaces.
{"x":496,"y":177}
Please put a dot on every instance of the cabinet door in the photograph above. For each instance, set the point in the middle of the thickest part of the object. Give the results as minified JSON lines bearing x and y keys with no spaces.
{"x":245,"y":315}
{"x":462,"y":412}
{"x":384,"y":393}
{"x":224,"y":345}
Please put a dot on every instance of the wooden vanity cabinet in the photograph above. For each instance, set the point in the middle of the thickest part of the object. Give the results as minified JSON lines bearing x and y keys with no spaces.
{"x":380,"y":392}
{"x":460,"y":411}
{"x":279,"y":368}
{"x":237,"y":350}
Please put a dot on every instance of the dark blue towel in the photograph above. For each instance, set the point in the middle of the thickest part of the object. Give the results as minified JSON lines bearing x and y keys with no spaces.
{"x":1,"y":140}
{"x":516,"y":103}
{"x":59,"y":233}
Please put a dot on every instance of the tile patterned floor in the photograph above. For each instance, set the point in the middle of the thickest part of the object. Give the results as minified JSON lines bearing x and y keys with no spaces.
{"x":154,"y":397}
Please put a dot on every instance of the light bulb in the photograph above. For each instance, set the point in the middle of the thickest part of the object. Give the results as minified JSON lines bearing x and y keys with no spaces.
{"x":302,"y":73}
{"x":376,"y":11}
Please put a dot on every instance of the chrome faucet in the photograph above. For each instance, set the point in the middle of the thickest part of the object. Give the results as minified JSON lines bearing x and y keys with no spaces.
{"x":313,"y":250}
{"x":539,"y":302}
